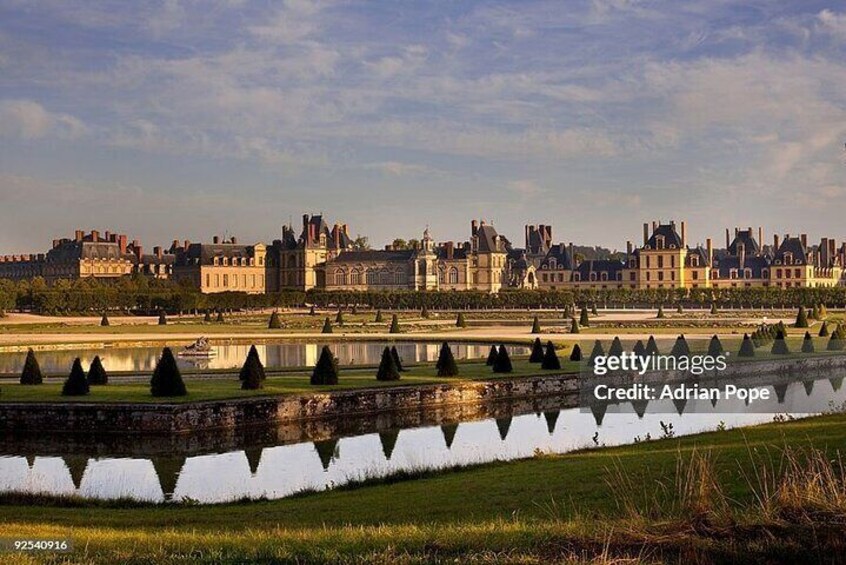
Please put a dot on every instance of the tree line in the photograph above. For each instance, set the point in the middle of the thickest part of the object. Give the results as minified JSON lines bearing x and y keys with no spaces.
{"x":140,"y":294}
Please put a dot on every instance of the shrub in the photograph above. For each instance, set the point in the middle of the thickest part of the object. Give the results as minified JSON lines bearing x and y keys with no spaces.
{"x":387,"y":367}
{"x":837,"y":342}
{"x":252,"y":373}
{"x":378,"y":318}
{"x":31,"y":374}
{"x":593,"y":310}
{"x":312,"y":311}
{"x":808,"y":343}
{"x":424,"y":312}
{"x":660,"y":312}
{"x":162,"y":319}
{"x":815,"y":312}
{"x":275,"y":323}
{"x":327,"y":326}
{"x":801,"y":318}
{"x":596,"y":352}
{"x":616,"y":349}
{"x":460,"y":322}
{"x":167,"y":380}
{"x":680,"y":347}
{"x":651,"y":346}
{"x":537,"y":352}
{"x":550,"y":358}
{"x":339,"y":318}
{"x":354,"y":309}
{"x":576,"y":354}
{"x":76,"y":383}
{"x":574,"y":326}
{"x":639,"y":349}
{"x":536,"y":328}
{"x":220,"y":319}
{"x":104,"y":321}
{"x":395,"y":327}
{"x":492,"y":354}
{"x":583,"y":317}
{"x":326,"y":370}
{"x":680,"y":309}
{"x":96,"y":373}
{"x":397,"y":359}
{"x":823,"y":312}
{"x":503,"y":361}
{"x":780,"y":344}
{"x":713,"y":308}
{"x":824,"y":330}
{"x":207,"y":317}
{"x":446,"y":362}
{"x":747,"y":348}
{"x":715,"y":346}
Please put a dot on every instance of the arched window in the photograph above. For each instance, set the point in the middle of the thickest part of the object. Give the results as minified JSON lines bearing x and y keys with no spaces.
{"x":453,"y":275}
{"x":340,"y":278}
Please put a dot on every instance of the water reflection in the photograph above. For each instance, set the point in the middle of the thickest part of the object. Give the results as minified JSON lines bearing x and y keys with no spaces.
{"x":228,"y":356}
{"x":279,"y":470}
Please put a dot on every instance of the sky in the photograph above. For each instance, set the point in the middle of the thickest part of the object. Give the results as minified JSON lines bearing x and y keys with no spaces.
{"x":185,"y":119}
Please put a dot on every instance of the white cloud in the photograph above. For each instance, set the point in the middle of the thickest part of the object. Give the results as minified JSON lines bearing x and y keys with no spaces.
{"x":833,"y":22}
{"x":27,"y":119}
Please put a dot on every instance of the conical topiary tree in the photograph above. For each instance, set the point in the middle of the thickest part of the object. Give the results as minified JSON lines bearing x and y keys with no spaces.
{"x":252,"y":373}
{"x":536,"y":327}
{"x":815,"y":312}
{"x":326,"y":369}
{"x":104,"y":321}
{"x":354,"y":309}
{"x":395,"y":327}
{"x":639,"y":349}
{"x":207,"y":317}
{"x":713,"y":308}
{"x":660,"y":313}
{"x":312,"y":311}
{"x":576,"y":354}
{"x":460,"y":322}
{"x":76,"y":384}
{"x":424,"y":313}
{"x":824,"y":330}
{"x":616,"y":349}
{"x":593,"y":310}
{"x":327,"y":326}
{"x":387,"y":367}
{"x":583,"y":317}
{"x":220,"y":318}
{"x":378,"y":319}
{"x":550,"y":358}
{"x":537,"y":351}
{"x":680,"y":309}
{"x":747,"y":348}
{"x":275,"y":322}
{"x":492,"y":354}
{"x":446,"y":362}
{"x":801,"y":318}
{"x":574,"y":326}
{"x":397,"y":359}
{"x":167,"y":380}
{"x":31,"y":374}
{"x":823,"y":312}
{"x":596,"y":352}
{"x":651,"y":346}
{"x":339,"y":318}
{"x":808,"y":343}
{"x":715,"y":346}
{"x":162,"y":318}
{"x":503,"y":361}
{"x":680,"y":347}
{"x":780,"y":345}
{"x":837,"y":341}
{"x":96,"y":373}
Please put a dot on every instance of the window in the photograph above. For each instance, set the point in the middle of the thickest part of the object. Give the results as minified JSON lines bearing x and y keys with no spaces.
{"x":399,"y":278}
{"x":340,"y":278}
{"x":453,"y":275}
{"x":660,"y":261}
{"x":747,"y":273}
{"x":225,"y":280}
{"x":660,"y":275}
{"x":371,"y":277}
{"x":798,"y":273}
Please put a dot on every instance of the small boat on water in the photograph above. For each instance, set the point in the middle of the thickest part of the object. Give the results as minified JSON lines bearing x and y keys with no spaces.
{"x":200,"y":348}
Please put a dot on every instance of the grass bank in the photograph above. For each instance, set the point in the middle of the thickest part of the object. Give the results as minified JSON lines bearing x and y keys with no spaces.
{"x":772,"y":493}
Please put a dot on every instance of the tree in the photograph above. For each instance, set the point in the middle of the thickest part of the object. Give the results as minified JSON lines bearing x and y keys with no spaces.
{"x":596,"y":352}
{"x":31,"y":374}
{"x":808,"y":343}
{"x":713,"y":308}
{"x":96,"y":373}
{"x":680,"y":348}
{"x":550,"y":358}
{"x":837,"y":341}
{"x":327,"y":326}
{"x":326,"y":370}
{"x":275,"y":323}
{"x":576,"y":354}
{"x":679,"y":309}
{"x":387,"y":367}
{"x":747,"y":348}
{"x":104,"y":321}
{"x":815,"y":312}
{"x":616,"y":349}
{"x":593,"y":310}
{"x":162,"y":318}
{"x":715,"y":346}
{"x":824,"y":330}
{"x":399,"y":244}
{"x":574,"y":327}
{"x":220,"y":319}
{"x":537,"y":352}
{"x":424,"y":313}
{"x":167,"y":380}
{"x":312,"y":311}
{"x":583,"y":317}
{"x":446,"y":362}
{"x":395,"y":327}
{"x":339,"y":318}
{"x":492,"y":354}
{"x":252,"y":373}
{"x":460,"y":322}
{"x":651,"y":347}
{"x":503,"y":361}
{"x":361,"y":243}
{"x":536,"y":328}
{"x":207,"y":318}
{"x":801,"y":318}
{"x":823,"y":312}
{"x":378,"y":318}
{"x":76,"y":383}
{"x":639,"y":349}
{"x":397,"y":358}
{"x":660,"y":312}
{"x":780,"y":345}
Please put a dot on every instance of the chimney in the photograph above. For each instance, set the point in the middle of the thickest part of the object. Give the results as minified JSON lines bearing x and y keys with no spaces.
{"x":187,"y":243}
{"x":216,"y":239}
{"x":174,"y":245}
{"x":234,"y":240}
{"x":728,"y":243}
{"x":56,"y":243}
{"x":95,"y":236}
{"x":645,"y":233}
{"x":761,"y":237}
{"x":77,"y":236}
{"x":628,"y":248}
{"x":710,"y":248}
{"x":570,"y":253}
{"x":527,"y":231}
{"x":831,"y":246}
{"x":654,"y":225}
{"x":804,"y":239}
{"x":822,"y":255}
{"x":139,"y":251}
{"x":337,"y":235}
{"x":775,"y":243}
{"x":157,"y":251}
{"x":122,"y":243}
{"x":474,"y":228}
{"x":305,"y":222}
{"x":108,"y":236}
{"x":684,"y":233}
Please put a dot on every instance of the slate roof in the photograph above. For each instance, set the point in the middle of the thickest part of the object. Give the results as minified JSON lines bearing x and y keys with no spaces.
{"x":70,"y":250}
{"x":699,"y":252}
{"x":757,"y":263}
{"x":204,"y":253}
{"x":598,"y":266}
{"x":488,"y":240}
{"x":749,"y":242}
{"x":561,"y":254}
{"x":791,"y":245}
{"x":671,"y":237}
{"x":374,"y":256}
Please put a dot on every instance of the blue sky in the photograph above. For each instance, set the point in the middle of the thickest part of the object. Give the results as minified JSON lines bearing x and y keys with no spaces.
{"x":183,"y":119}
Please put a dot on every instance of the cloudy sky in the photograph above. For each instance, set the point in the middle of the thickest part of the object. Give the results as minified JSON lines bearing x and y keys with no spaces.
{"x":182,"y":119}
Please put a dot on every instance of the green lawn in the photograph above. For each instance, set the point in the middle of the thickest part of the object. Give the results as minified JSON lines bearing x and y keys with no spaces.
{"x":642,"y":501}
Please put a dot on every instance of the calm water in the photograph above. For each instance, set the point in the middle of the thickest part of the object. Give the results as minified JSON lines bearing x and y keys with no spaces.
{"x":276,"y":471}
{"x":232,"y":355}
